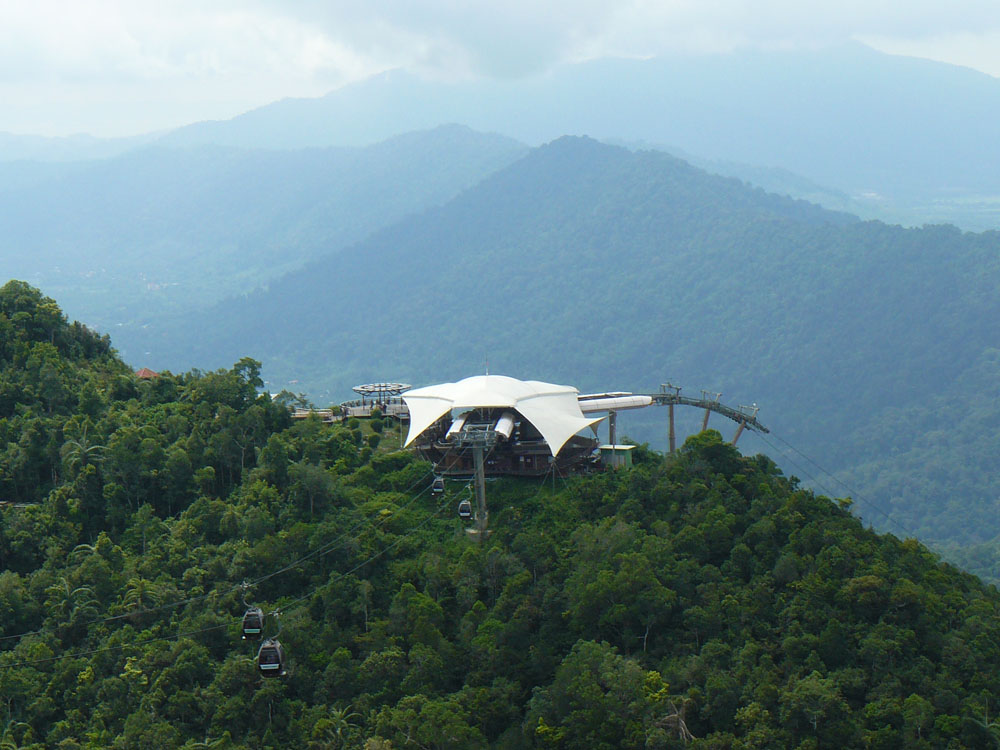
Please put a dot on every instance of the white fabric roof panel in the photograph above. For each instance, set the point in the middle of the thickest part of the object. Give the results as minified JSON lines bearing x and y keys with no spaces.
{"x":552,"y":409}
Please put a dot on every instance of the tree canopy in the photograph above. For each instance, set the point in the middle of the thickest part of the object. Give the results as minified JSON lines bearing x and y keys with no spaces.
{"x":700,"y":599}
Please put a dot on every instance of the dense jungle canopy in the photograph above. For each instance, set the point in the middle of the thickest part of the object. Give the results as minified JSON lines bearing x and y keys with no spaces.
{"x":701,"y":599}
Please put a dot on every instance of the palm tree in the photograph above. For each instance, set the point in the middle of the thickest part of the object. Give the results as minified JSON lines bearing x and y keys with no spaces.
{"x":208,"y":744}
{"x":7,"y":741}
{"x":81,"y":452}
{"x":141,"y":593}
{"x":84,"y":549}
{"x":990,"y":728}
{"x":334,"y":730}
{"x":68,"y":603}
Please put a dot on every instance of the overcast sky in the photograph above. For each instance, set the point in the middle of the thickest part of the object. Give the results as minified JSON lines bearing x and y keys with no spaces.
{"x":122,"y":67}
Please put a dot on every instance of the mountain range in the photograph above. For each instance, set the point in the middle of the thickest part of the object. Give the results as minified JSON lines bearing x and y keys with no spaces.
{"x":162,"y":229}
{"x":906,"y":139}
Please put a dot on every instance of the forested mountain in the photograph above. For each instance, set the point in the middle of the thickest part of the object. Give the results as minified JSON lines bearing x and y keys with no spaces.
{"x":870,"y":347}
{"x":902,"y":139}
{"x":699,"y":600}
{"x":164,"y":229}
{"x":906,"y":136}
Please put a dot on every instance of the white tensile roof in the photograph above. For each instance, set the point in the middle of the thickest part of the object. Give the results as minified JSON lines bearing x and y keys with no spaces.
{"x":552,"y":409}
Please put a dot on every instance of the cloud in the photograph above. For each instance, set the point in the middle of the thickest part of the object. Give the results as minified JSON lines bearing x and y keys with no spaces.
{"x":144,"y":40}
{"x":226,"y":56}
{"x":216,"y":59}
{"x":453,"y":38}
{"x":519,"y":37}
{"x":977,"y":50}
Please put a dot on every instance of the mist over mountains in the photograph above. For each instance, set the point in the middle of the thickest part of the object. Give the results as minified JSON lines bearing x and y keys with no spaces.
{"x":906,"y":140}
{"x":160,"y":230}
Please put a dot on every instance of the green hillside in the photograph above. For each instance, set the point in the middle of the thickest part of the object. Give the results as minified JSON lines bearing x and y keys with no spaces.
{"x":871,"y":348}
{"x":699,"y":600}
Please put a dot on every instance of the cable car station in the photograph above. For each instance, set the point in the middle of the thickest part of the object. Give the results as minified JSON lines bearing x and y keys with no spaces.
{"x":492,"y":425}
{"x":531,"y":428}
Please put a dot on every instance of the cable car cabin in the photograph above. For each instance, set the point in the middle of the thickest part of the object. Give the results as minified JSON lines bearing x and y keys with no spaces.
{"x":271,"y":658}
{"x":253,"y":623}
{"x":465,"y":510}
{"x":437,"y":486}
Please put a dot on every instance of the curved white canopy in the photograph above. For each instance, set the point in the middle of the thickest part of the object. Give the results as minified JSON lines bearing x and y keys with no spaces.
{"x":552,"y":409}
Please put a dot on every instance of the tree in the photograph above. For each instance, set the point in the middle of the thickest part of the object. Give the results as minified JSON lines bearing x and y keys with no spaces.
{"x":675,"y":721}
{"x":433,"y":723}
{"x":141,"y":594}
{"x":70,"y":604}
{"x":70,"y":608}
{"x":918,"y":716}
{"x":335,"y":729}
{"x":310,"y":483}
{"x":813,"y":707}
{"x":81,"y":452}
{"x":598,"y":699}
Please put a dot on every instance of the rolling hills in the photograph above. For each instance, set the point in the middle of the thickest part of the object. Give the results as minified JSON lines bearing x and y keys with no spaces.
{"x":166,"y":229}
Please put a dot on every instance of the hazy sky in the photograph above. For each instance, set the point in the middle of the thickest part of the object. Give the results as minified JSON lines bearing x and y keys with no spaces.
{"x":121,"y":67}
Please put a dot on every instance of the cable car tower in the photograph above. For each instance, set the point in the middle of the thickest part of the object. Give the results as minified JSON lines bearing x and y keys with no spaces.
{"x":481,"y":438}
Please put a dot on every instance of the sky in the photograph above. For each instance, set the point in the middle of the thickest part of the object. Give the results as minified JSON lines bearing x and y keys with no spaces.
{"x":124,"y":67}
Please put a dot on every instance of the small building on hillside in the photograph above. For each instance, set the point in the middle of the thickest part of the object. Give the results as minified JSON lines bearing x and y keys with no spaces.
{"x":616,"y":456}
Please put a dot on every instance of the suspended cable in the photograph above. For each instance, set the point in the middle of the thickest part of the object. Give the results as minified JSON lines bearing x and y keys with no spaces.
{"x":90,"y":652}
{"x":797,"y":466}
{"x":850,"y":491}
{"x":323,"y":549}
{"x":374,"y":557}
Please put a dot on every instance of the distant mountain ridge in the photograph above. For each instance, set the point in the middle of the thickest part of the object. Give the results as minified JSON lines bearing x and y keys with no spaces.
{"x":160,"y":229}
{"x":902,"y":139}
{"x":848,"y":117}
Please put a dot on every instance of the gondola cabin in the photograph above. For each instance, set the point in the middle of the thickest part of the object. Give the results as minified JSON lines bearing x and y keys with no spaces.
{"x":253,"y":623}
{"x":271,"y":658}
{"x":437,"y":486}
{"x":465,"y":510}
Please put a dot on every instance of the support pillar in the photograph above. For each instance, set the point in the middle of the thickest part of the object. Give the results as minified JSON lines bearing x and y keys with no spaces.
{"x":708,"y":409}
{"x":739,"y":431}
{"x":480,"y":481}
{"x":612,"y":427}
{"x":673,"y":437}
